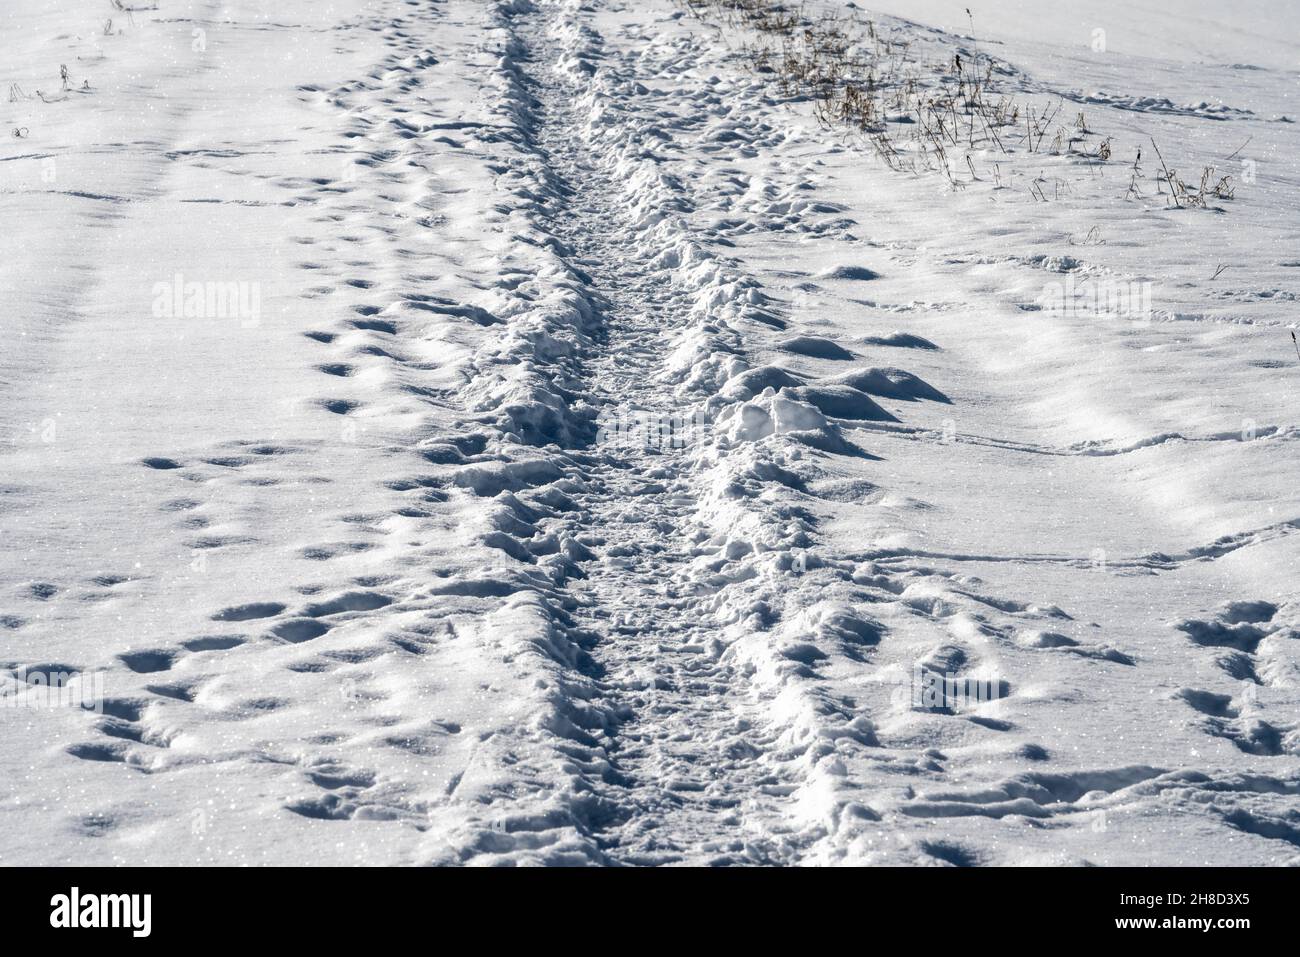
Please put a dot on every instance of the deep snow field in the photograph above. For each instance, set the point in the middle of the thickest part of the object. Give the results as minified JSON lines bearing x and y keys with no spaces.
{"x":520,"y":432}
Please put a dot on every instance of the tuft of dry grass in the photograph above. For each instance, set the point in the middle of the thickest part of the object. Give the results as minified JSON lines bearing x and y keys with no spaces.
{"x":918,"y":111}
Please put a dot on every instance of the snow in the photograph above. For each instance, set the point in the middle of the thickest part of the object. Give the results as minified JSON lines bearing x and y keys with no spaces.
{"x":484,"y":432}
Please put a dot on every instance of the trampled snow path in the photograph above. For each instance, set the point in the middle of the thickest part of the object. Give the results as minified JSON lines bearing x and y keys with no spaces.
{"x":685,"y":781}
{"x":614,"y":446}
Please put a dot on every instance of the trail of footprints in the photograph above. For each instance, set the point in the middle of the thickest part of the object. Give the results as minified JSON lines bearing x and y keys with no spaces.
{"x":134,"y":729}
{"x":627,"y":508}
{"x":129,"y":720}
{"x":137,"y":728}
{"x":141,"y":721}
{"x":1248,"y":640}
{"x":680,"y":695}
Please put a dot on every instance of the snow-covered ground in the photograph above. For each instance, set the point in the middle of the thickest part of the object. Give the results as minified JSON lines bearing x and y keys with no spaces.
{"x":494,"y":431}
